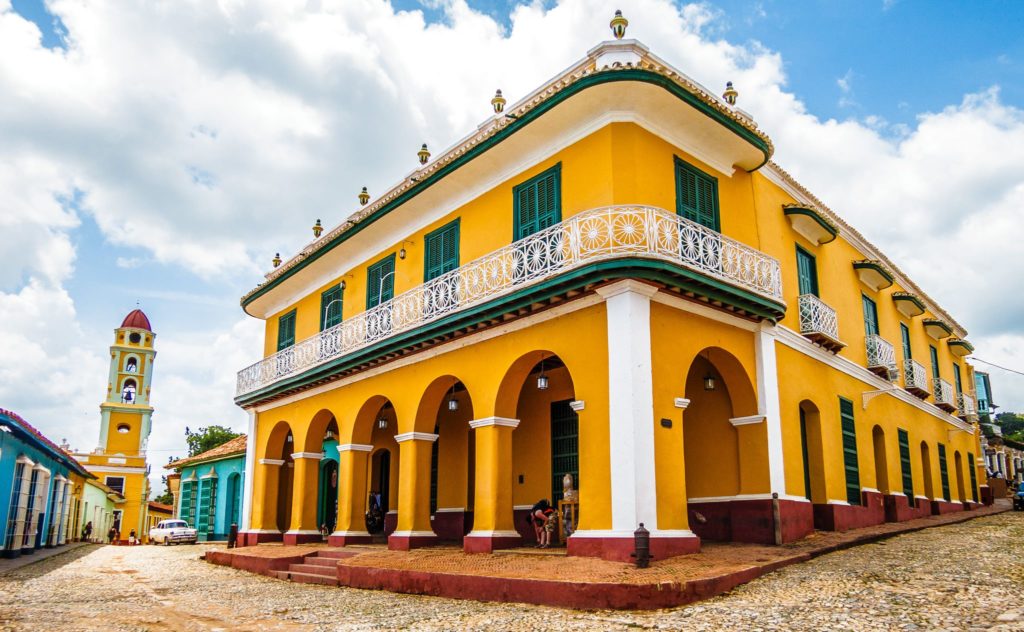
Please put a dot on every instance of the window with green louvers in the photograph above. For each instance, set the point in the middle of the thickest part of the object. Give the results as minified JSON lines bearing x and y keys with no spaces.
{"x":944,"y":471}
{"x":187,"y":512}
{"x":331,"y":307}
{"x":286,"y":330}
{"x":537,"y":203}
{"x":850,"y":451}
{"x":380,"y":282}
{"x":696,"y":195}
{"x":870,"y":316}
{"x":905,"y":335}
{"x":207,"y":501}
{"x":973,"y":467}
{"x":806,"y":272}
{"x":908,"y":477}
{"x":565,"y":446}
{"x":441,"y":251}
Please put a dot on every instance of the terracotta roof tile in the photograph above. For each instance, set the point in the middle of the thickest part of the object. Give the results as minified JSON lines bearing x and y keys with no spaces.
{"x":231,"y":448}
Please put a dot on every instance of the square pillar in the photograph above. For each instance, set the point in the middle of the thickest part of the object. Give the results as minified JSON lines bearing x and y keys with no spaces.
{"x":414,"y":529}
{"x":352,"y":494}
{"x":493,"y":516}
{"x":304,"y":496}
{"x":247,"y":479}
{"x":265,"y":490}
{"x":631,"y":433}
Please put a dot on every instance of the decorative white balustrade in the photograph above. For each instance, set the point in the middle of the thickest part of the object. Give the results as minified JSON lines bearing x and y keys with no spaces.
{"x":914,"y":376}
{"x":817,"y":318}
{"x":965,"y":404}
{"x":944,"y":394}
{"x":585,"y":238}
{"x":881,"y":354}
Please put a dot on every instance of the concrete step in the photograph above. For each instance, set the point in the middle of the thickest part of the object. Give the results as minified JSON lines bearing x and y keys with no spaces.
{"x":307,"y":578}
{"x":334,"y":554}
{"x":330,"y":562}
{"x":313,"y":569}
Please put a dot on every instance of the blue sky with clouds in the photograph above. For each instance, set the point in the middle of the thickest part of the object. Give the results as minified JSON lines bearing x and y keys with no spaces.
{"x":117,"y":109}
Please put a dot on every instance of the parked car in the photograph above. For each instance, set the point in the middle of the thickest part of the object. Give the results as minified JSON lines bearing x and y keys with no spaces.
{"x":172,"y":532}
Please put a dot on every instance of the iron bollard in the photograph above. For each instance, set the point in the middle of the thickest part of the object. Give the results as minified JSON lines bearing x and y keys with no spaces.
{"x":642,"y":543}
{"x":233,"y":536}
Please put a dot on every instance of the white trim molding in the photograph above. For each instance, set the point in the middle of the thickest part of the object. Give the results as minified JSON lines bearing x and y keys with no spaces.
{"x":838,"y":502}
{"x":629,"y":285}
{"x":746,"y":421}
{"x":577,"y":405}
{"x":494,"y":534}
{"x":354,"y":447}
{"x":262,"y":531}
{"x":308,"y":455}
{"x":681,"y":403}
{"x":247,"y":476}
{"x":449,"y":510}
{"x":302,"y":532}
{"x":870,"y":489}
{"x":413,"y":534}
{"x":415,"y":436}
{"x":726,"y":499}
{"x":494,"y":421}
{"x":626,"y":533}
{"x":522,"y":507}
{"x":271,"y":461}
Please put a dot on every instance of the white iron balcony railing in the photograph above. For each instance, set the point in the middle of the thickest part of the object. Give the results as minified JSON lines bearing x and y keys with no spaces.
{"x":965,"y":405}
{"x":818,"y":320}
{"x":585,"y":238}
{"x":915,"y":378}
{"x":881,"y":356}
{"x":943,"y":394}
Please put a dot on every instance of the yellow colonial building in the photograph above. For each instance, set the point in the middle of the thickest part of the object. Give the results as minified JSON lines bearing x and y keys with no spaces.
{"x":119,"y":461}
{"x":608,"y":279}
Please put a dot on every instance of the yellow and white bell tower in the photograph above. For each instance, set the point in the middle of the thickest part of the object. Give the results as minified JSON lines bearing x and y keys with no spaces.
{"x":119,"y":461}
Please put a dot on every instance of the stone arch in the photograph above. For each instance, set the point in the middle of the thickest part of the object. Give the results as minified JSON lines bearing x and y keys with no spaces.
{"x":279,"y":484}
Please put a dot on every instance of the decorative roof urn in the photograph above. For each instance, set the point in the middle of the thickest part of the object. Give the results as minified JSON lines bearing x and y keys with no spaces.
{"x":618,"y":25}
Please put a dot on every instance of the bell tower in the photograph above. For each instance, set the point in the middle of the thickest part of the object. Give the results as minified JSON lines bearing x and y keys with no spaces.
{"x":126,"y":412}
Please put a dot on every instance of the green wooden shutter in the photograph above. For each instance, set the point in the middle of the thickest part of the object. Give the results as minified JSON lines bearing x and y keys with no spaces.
{"x":204,"y":509}
{"x":442,"y":251}
{"x":434,"y":452}
{"x":908,"y":477}
{"x":850,"y":451}
{"x":188,"y":504}
{"x":973,"y":467}
{"x":377,"y":292}
{"x":905,"y":335}
{"x":944,"y":471}
{"x":537,"y":203}
{"x":565,"y":446}
{"x":870,"y":316}
{"x":935,"y":361}
{"x":956,"y":378}
{"x":286,"y":330}
{"x":804,"y":451}
{"x":807,"y":272}
{"x":331,"y":307}
{"x":696,"y":195}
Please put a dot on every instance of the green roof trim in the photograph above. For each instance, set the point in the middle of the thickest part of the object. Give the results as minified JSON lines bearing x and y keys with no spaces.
{"x":518,"y":123}
{"x":631,"y":268}
{"x":871,"y":264}
{"x":816,"y":216}
{"x":910,"y":298}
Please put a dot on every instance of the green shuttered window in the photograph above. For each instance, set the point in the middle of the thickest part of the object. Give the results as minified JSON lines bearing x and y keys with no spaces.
{"x":870,"y":316}
{"x":696,"y":195}
{"x":935,"y":361}
{"x":806,"y":271}
{"x":442,"y":251}
{"x":972,"y":466}
{"x":537,"y":203}
{"x":286,"y":330}
{"x":380,"y":282}
{"x":207,"y":506}
{"x":187,"y":512}
{"x":908,"y":477}
{"x":905,"y":335}
{"x":944,"y":471}
{"x":850,"y":451}
{"x":330,"y":307}
{"x":565,"y":446}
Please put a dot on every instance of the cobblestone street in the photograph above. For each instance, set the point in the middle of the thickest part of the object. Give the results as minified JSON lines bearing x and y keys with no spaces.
{"x":967,"y":576}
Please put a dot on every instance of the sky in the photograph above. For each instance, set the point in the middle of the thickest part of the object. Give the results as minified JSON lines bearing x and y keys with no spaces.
{"x":159,"y":154}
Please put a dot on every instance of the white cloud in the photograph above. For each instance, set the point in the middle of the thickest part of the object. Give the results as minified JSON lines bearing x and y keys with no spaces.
{"x":211,"y":135}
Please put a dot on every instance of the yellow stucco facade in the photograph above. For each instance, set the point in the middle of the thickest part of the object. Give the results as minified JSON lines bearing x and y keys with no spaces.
{"x":688,"y":382}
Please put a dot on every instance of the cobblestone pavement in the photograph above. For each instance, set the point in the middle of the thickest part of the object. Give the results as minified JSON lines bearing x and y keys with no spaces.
{"x":967,"y":576}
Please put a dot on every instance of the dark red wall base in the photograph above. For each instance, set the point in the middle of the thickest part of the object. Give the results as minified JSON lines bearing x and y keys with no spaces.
{"x":621,"y":549}
{"x":452,"y":525}
{"x":390,"y":522}
{"x":406,"y":542}
{"x":291,"y":539}
{"x":986,"y":495}
{"x":940,"y":507}
{"x":751,"y":520}
{"x":898,"y":509}
{"x":252,"y":563}
{"x":247,"y":538}
{"x":343,"y":540}
{"x":870,"y":512}
{"x":487,"y":544}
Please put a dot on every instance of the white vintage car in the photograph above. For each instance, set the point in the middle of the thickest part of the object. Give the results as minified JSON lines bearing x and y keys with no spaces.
{"x":172,"y":532}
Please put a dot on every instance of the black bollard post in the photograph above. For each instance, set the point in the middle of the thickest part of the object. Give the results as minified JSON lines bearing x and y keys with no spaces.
{"x":233,"y":536}
{"x":642,"y":543}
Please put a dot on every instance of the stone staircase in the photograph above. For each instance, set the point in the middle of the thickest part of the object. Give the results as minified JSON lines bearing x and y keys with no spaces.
{"x":319,"y":568}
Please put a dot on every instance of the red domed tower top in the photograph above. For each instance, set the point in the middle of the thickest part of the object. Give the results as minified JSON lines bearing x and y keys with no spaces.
{"x":137,"y":320}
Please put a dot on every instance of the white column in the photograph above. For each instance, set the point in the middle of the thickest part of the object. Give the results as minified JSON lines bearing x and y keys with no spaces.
{"x":768,"y":405}
{"x":631,"y":406}
{"x":250,"y":463}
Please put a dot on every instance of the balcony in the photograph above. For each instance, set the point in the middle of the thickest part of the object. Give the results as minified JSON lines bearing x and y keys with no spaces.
{"x":944,"y":395}
{"x":701,"y":262}
{"x":966,"y":407}
{"x":881,"y":357}
{"x":915,"y":378}
{"x":818,"y":322}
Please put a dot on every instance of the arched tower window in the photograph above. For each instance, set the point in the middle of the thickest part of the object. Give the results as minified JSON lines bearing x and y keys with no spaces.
{"x":128,"y":392}
{"x":132,"y":365}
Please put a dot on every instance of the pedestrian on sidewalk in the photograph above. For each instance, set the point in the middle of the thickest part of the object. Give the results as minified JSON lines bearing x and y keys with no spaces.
{"x":87,"y":531}
{"x":132,"y":541}
{"x":540,"y":514}
{"x":111,"y":535}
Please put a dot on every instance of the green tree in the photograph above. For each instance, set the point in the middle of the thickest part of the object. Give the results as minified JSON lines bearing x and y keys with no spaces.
{"x":165,"y":497}
{"x":207,"y":438}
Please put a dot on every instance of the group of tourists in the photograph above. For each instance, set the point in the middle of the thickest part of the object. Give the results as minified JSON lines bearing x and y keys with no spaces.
{"x":113,"y":535}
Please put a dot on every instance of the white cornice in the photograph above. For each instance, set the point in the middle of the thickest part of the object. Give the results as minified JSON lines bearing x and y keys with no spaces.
{"x":415,"y":436}
{"x":746,"y":421}
{"x":494,"y":421}
{"x":354,"y":447}
{"x":271,"y":461}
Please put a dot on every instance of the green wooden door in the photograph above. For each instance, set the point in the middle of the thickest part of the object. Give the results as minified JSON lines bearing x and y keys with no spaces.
{"x":206,"y":508}
{"x":187,"y":511}
{"x":850,"y":464}
{"x":956,"y":378}
{"x":935,"y":361}
{"x":380,"y":282}
{"x":908,"y":477}
{"x":286,"y":330}
{"x":870,"y":316}
{"x":565,"y":447}
{"x":331,"y":307}
{"x":537,"y":203}
{"x":806,"y":272}
{"x":905,"y":335}
{"x":804,"y":451}
{"x":944,"y":471}
{"x":434,"y":453}
{"x":441,"y":251}
{"x":234,"y":500}
{"x":696,"y":195}
{"x":974,"y":476}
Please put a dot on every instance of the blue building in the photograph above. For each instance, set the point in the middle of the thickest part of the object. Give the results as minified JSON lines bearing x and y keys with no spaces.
{"x":209,"y":495}
{"x":37,"y":488}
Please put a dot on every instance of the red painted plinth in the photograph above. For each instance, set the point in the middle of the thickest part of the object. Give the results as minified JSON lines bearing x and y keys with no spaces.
{"x":870,"y":512}
{"x":940,"y":507}
{"x":751,"y":520}
{"x":487,"y":543}
{"x":986,"y":495}
{"x":452,"y":525}
{"x":620,"y":549}
{"x":291,"y":539}
{"x":898,"y":509}
{"x":252,"y":539}
{"x":390,"y":522}
{"x":406,"y":542}
{"x":344,"y":540}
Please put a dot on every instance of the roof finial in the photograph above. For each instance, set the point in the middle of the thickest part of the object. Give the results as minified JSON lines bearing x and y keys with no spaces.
{"x":317,"y":229}
{"x":364,"y":196}
{"x":618,"y":25}
{"x":730,"y":93}
{"x":277,"y":259}
{"x":498,"y":102}
{"x":424,"y":154}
